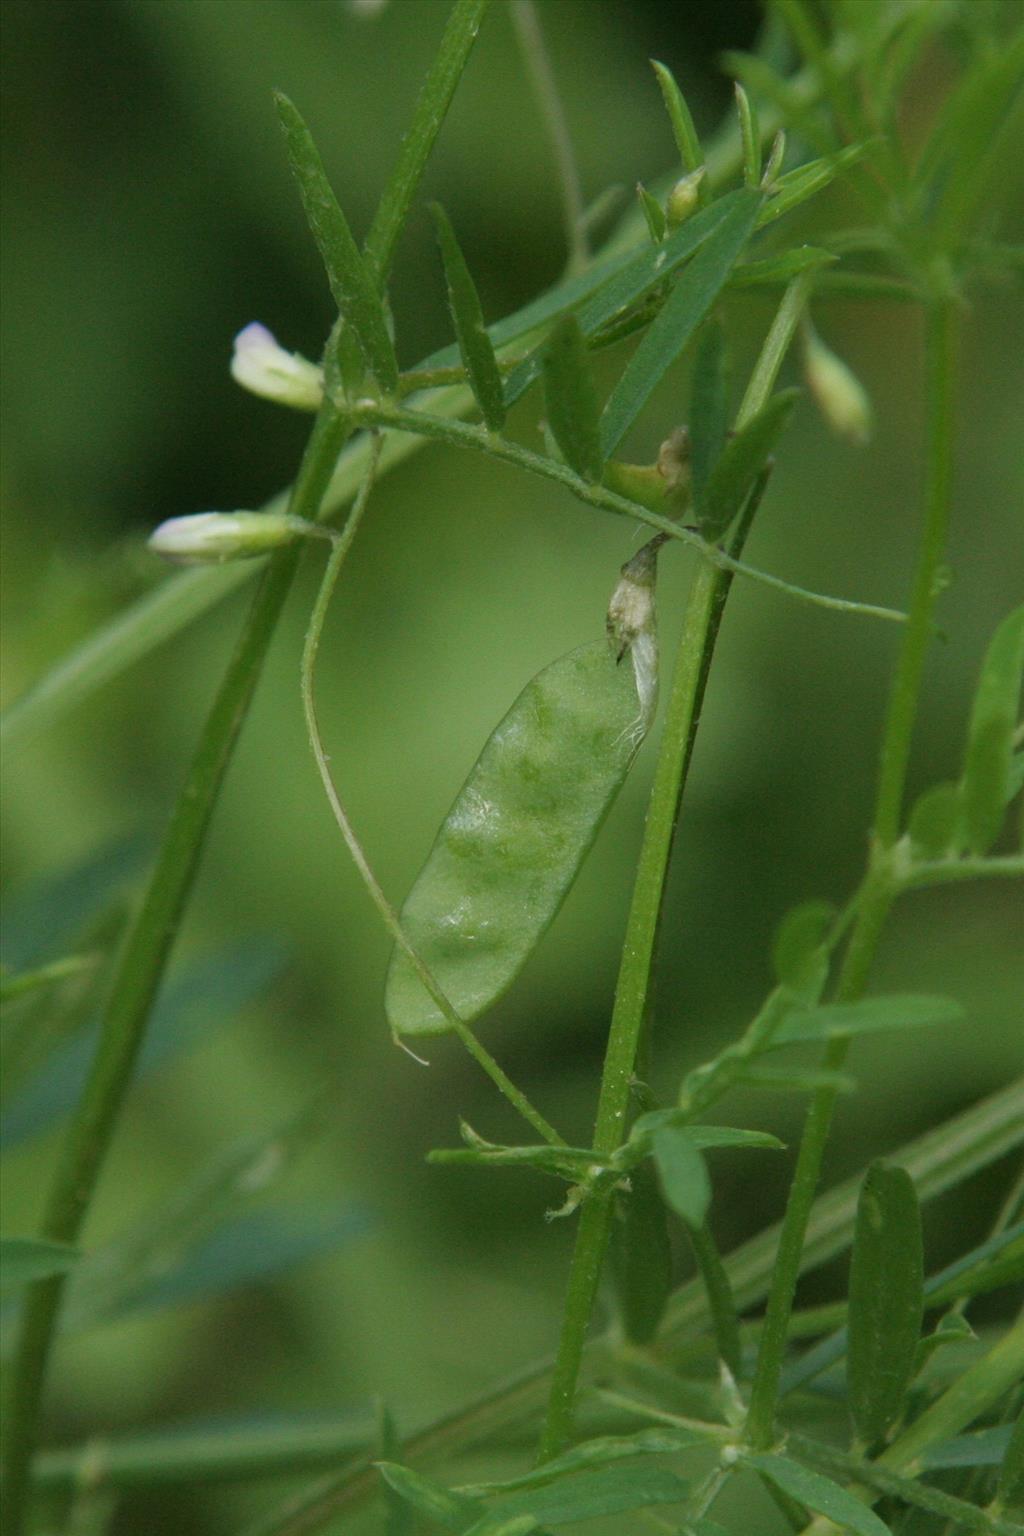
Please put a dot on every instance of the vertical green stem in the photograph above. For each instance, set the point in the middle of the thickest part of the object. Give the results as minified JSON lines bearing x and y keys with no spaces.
{"x":538,"y":64}
{"x":879,"y":888}
{"x":702,"y":616}
{"x":941,"y":344}
{"x":721,"y":1303}
{"x":693,"y":663}
{"x":138,"y":975}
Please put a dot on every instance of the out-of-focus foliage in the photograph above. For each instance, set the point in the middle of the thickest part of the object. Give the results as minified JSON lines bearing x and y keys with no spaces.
{"x":149,"y":216}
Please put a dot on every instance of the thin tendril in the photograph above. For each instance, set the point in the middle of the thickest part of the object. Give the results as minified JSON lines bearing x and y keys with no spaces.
{"x":342,"y":543}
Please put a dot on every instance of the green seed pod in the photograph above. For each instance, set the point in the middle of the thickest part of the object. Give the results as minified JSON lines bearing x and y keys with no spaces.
{"x":519,"y":830}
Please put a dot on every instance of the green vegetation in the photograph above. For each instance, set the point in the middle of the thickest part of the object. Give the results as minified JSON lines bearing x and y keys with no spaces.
{"x":687,"y":1366}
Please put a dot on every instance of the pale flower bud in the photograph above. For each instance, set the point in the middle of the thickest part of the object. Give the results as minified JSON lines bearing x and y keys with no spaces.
{"x":841,"y":397}
{"x":211,"y":538}
{"x":264,"y":368}
{"x":684,"y":198}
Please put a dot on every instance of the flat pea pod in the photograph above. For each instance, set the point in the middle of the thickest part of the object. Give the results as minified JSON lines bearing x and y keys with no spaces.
{"x":512,"y":843}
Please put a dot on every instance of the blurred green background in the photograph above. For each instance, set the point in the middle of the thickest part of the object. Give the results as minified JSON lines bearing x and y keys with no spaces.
{"x":149,"y":216}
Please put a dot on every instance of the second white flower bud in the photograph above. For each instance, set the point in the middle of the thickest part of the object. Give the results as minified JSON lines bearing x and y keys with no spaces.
{"x":264,"y":368}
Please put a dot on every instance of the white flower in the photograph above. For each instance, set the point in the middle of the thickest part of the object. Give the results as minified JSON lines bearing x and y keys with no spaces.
{"x":264,"y":368}
{"x":210,"y":538}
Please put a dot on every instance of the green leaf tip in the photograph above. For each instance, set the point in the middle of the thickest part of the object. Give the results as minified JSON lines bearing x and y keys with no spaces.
{"x":800,"y":954}
{"x":475,"y":346}
{"x":750,"y":136}
{"x":683,"y":1173}
{"x":679,"y":115}
{"x":351,"y":283}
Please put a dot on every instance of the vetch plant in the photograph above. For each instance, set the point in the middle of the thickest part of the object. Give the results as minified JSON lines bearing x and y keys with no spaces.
{"x":845,"y":1416}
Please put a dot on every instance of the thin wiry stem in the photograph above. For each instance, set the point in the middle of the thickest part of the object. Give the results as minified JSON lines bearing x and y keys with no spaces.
{"x":138,"y":974}
{"x":342,"y":544}
{"x":460,"y":434}
{"x":881,"y":886}
{"x":542,"y":78}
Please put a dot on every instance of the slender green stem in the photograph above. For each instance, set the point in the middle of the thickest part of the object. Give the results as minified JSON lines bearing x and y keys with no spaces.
{"x":545,"y":87}
{"x":148,"y":943}
{"x":721,"y":1302}
{"x":139,"y":972}
{"x":342,"y":544}
{"x":707,"y":1430}
{"x":701,"y":624}
{"x":776,"y":345}
{"x":950,"y":871}
{"x":460,"y":434}
{"x":880,"y":887}
{"x":940,"y":345}
{"x":700,"y":628}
